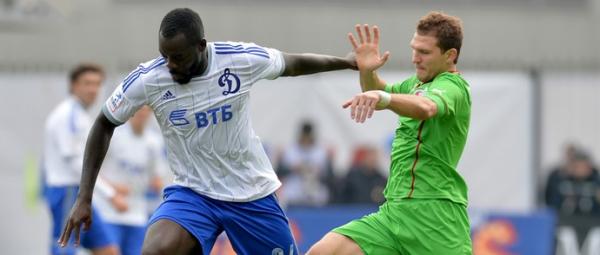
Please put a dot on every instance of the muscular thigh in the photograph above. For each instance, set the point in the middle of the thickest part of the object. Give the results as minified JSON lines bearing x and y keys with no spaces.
{"x":167,"y":237}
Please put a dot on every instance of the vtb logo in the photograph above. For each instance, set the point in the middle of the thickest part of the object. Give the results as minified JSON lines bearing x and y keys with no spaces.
{"x":231,"y":86}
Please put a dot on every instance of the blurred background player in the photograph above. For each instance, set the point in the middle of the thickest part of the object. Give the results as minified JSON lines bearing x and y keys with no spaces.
{"x":224,"y":181}
{"x":131,"y":165}
{"x":66,"y":131}
{"x":426,"y":198}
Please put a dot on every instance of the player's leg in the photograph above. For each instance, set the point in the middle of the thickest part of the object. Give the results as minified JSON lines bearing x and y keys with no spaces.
{"x":183,"y":224}
{"x":99,"y":239}
{"x":334,"y":243}
{"x":431,"y":226}
{"x":165,"y":237}
{"x":258,"y":227}
{"x":57,"y":199}
{"x":60,"y":200}
{"x":132,"y":240}
{"x":370,"y":234}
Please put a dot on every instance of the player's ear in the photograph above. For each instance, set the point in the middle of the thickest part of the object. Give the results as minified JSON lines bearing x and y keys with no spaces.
{"x":451,"y":55}
{"x":202,"y":45}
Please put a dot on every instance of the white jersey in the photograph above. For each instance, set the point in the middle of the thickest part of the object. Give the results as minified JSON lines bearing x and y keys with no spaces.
{"x":132,"y":161}
{"x":65,"y":135}
{"x":211,"y":146}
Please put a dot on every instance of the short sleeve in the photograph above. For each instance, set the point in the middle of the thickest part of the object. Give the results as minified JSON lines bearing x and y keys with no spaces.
{"x":446,"y":94}
{"x":269,"y":64}
{"x":125,"y":100}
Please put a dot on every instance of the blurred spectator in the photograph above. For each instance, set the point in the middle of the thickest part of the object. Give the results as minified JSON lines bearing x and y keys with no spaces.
{"x":574,"y":187}
{"x":364,"y":182}
{"x":305,"y":170}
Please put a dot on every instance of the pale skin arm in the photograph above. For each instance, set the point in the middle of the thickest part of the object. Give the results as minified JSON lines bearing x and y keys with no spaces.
{"x":364,"y":104}
{"x":368,"y":58}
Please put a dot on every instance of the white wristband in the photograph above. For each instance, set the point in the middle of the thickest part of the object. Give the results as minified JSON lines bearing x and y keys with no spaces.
{"x":384,"y":99}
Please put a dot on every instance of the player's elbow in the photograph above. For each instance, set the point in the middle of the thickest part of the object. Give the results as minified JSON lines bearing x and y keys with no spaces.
{"x":426,"y":110}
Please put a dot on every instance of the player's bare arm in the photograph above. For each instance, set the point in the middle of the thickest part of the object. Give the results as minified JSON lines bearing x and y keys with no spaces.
{"x":95,"y":150}
{"x":368,"y":57}
{"x":308,"y":63}
{"x":364,"y":104}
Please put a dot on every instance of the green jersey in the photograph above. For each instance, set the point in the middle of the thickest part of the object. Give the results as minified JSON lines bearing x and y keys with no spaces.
{"x":425,"y":153}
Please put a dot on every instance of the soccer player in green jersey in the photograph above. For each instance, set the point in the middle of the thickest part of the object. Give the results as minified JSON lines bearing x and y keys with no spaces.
{"x":426,"y":199}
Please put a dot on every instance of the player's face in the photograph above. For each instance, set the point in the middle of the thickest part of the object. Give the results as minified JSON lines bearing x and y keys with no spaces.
{"x":86,"y":87}
{"x":183,"y":58}
{"x":428,"y":57}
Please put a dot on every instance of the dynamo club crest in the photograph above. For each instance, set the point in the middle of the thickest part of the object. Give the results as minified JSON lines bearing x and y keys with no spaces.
{"x":230,"y":82}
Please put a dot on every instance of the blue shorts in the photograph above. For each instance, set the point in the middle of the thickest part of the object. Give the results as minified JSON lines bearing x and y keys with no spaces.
{"x":129,"y":238}
{"x":256,"y":227}
{"x":61,"y":200}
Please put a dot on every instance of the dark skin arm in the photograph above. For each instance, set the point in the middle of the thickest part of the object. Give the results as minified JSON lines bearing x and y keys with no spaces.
{"x":308,"y":63}
{"x":95,"y":150}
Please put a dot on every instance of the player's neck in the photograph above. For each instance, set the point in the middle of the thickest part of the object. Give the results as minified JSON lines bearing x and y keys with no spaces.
{"x":203,"y":63}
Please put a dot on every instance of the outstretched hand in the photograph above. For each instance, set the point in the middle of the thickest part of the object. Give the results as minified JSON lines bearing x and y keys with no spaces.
{"x":81,"y":214}
{"x":362,"y":105}
{"x":366,"y":49}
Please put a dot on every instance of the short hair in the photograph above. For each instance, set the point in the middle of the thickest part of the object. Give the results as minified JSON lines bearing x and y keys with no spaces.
{"x":82,"y":68}
{"x":182,"y":20}
{"x":447,"y":29}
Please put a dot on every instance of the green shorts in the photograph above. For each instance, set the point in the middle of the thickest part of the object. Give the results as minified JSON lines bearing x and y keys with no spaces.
{"x":412,"y":226}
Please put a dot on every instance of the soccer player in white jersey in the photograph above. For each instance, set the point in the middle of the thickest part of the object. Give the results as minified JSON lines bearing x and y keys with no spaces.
{"x":65,"y":132}
{"x":132,"y":162}
{"x":199,"y":92}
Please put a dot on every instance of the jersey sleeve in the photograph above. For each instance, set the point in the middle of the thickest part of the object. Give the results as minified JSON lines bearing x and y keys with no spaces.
{"x":446,"y":94}
{"x":269,"y":62}
{"x":126,"y":99}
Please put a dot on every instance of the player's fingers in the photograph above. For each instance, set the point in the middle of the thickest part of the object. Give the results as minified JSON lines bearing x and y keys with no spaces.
{"x":353,"y":109}
{"x":87,"y":223}
{"x":364,"y":110}
{"x":66,"y":234}
{"x":77,"y":229}
{"x":347,"y":103}
{"x":352,"y":40}
{"x":376,"y":35}
{"x":372,"y":108}
{"x":361,"y":38}
{"x":385,"y":57}
{"x":367,"y":33}
{"x":359,"y":106}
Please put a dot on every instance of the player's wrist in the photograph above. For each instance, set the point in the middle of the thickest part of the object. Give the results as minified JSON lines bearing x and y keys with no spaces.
{"x":384,"y":99}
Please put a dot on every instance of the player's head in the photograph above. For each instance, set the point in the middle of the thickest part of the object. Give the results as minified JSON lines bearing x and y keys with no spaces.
{"x":436,"y":44}
{"x":85,"y":81}
{"x":181,"y":41}
{"x":306,"y":137}
{"x":139,"y":119}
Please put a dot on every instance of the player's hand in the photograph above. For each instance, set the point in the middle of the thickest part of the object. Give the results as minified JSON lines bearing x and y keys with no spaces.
{"x":362,"y":105}
{"x":81,"y":214}
{"x":366,"y":49}
{"x":119,"y":202}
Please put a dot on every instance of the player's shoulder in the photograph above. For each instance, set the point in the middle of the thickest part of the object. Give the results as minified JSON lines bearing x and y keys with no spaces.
{"x":452,"y":78}
{"x":148,"y":68}
{"x":240,"y":50}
